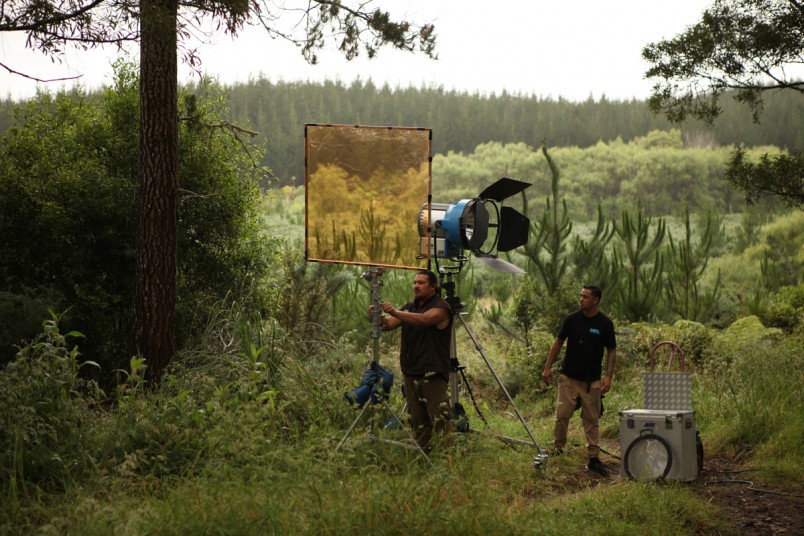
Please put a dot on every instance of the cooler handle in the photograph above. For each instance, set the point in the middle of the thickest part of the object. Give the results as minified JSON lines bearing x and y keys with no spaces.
{"x":673,"y":348}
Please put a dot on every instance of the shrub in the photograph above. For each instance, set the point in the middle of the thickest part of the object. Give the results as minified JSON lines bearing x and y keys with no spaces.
{"x":21,"y":316}
{"x":743,"y":336}
{"x":755,"y":401}
{"x":786,"y":309}
{"x":46,"y":437}
{"x":524,"y":370}
{"x":635,"y":341}
{"x":68,"y":210}
{"x":693,"y":338}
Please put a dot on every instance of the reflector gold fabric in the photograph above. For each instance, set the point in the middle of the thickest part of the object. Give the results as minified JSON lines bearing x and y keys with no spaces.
{"x":364,"y":187}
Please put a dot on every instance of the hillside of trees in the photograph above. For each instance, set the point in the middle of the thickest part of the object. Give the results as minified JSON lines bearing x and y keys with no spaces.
{"x":462,"y":121}
{"x":278,"y":111}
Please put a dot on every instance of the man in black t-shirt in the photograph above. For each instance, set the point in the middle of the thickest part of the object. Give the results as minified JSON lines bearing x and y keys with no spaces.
{"x":424,"y":356}
{"x":587,"y":332}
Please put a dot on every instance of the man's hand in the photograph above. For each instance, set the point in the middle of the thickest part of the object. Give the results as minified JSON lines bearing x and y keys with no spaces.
{"x":547,"y":375}
{"x":388,"y":308}
{"x":605,"y":385}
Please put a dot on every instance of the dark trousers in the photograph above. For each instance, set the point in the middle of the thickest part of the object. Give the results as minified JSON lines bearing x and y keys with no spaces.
{"x":428,"y":406}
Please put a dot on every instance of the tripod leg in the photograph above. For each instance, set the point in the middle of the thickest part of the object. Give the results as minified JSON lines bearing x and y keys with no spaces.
{"x":500,"y":383}
{"x":349,"y":431}
{"x":410,"y":435}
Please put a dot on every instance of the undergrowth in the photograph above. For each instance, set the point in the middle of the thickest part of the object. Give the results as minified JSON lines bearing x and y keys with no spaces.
{"x":241,"y":438}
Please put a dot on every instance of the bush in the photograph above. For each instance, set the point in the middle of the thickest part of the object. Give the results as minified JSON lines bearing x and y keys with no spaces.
{"x":786,"y":309}
{"x":68,"y":211}
{"x":635,"y":341}
{"x":744,"y":336}
{"x":524,"y":371}
{"x":21,"y":316}
{"x":753,"y":399}
{"x":46,"y":432}
{"x":694,"y":339}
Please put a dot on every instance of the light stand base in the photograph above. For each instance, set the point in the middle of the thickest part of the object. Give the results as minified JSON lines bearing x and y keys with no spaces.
{"x":413,"y":445}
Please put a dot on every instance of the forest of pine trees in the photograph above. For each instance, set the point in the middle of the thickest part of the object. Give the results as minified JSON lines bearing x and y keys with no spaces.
{"x":461,"y":121}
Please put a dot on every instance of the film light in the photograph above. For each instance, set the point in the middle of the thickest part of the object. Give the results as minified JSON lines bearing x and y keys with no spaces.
{"x":446,"y":230}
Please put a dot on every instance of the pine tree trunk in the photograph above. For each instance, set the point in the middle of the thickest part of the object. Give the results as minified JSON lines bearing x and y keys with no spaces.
{"x":155,"y":293}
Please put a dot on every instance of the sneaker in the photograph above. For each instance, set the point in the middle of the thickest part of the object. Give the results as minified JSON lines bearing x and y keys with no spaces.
{"x":597,"y":466}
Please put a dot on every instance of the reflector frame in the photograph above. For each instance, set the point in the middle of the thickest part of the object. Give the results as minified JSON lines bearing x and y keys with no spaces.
{"x":364,"y":186}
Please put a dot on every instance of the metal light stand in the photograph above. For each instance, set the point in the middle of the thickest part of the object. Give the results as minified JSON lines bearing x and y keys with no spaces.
{"x":459,"y":415}
{"x":375,"y":276}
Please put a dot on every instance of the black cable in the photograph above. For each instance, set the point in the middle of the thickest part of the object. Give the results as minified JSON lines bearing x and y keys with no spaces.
{"x":751,"y":487}
{"x":604,"y":451}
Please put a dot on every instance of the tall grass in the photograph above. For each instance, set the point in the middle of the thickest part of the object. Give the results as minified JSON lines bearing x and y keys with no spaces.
{"x":476,"y":489}
{"x":752,"y":405}
{"x":240,"y":439}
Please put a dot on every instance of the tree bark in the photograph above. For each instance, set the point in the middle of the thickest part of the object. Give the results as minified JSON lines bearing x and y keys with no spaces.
{"x":154,"y":314}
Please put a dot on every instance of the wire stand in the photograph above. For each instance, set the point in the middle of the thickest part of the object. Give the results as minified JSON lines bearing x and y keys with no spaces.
{"x":378,"y":394}
{"x":460,"y":419}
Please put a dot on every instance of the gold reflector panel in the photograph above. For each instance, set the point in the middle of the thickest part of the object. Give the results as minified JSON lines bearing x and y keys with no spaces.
{"x":364,"y":187}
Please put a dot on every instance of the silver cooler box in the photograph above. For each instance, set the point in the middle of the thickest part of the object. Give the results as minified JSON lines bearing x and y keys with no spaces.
{"x":657,"y":444}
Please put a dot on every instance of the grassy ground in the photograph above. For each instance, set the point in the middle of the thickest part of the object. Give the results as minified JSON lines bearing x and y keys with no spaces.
{"x":228,"y":445}
{"x":480,"y":486}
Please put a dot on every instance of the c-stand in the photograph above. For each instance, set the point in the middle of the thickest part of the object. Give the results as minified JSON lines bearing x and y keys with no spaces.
{"x":459,"y":415}
{"x":375,"y":391}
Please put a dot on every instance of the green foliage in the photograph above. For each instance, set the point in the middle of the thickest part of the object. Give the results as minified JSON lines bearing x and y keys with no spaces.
{"x":67,"y":211}
{"x":68,"y":175}
{"x":600,"y":177}
{"x":534,"y":309}
{"x":635,"y":341}
{"x":301,"y":298}
{"x":745,"y":335}
{"x":740,"y":48}
{"x":754,"y":398}
{"x":782,"y":250}
{"x":786,"y":309}
{"x":670,"y":139}
{"x":778,"y":175}
{"x":239,"y":437}
{"x":637,"y":296}
{"x":463,"y":121}
{"x":21,"y":316}
{"x":753,"y":219}
{"x":589,"y":257}
{"x":686,"y":263}
{"x":737,"y":45}
{"x":524,"y":377}
{"x":694,"y":339}
{"x":46,"y":425}
{"x":549,"y":234}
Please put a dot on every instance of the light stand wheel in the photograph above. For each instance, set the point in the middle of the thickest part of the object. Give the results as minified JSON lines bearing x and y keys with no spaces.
{"x":648,"y":457}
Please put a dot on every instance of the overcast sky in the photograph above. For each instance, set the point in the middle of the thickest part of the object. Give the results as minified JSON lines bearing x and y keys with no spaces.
{"x":570,"y":49}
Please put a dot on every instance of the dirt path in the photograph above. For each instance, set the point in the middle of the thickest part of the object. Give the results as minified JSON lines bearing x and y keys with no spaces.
{"x":755,"y":510}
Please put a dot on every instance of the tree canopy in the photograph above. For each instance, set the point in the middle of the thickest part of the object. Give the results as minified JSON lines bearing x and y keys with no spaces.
{"x":745,"y":48}
{"x":741,"y":46}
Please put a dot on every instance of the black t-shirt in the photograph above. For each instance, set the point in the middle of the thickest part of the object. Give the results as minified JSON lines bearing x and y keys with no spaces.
{"x":425,"y":349}
{"x":586,"y":339}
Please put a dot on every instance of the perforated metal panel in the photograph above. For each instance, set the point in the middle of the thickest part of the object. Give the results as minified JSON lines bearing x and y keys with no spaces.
{"x":667,"y":390}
